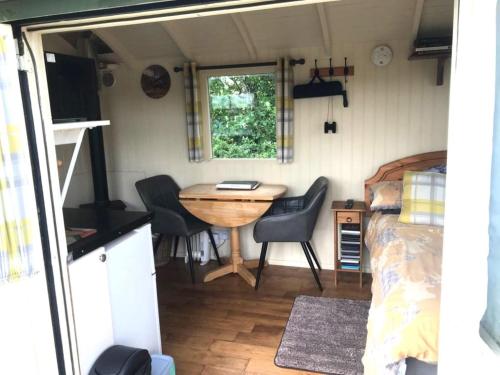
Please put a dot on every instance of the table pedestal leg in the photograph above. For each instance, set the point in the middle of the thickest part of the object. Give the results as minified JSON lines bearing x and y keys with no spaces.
{"x":237,"y":265}
{"x":253,"y":263}
{"x":235,"y":249}
{"x":219,"y":272}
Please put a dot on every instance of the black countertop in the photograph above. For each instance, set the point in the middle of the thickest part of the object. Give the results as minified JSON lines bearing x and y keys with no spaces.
{"x":109,"y":225}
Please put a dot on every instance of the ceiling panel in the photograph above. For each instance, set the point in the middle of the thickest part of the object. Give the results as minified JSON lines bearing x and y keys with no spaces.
{"x":285,"y":28}
{"x":216,"y":38}
{"x":370,"y":20}
{"x":207,"y":36}
{"x":146,"y":41}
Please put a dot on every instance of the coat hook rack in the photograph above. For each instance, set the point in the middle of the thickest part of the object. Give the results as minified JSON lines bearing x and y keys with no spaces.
{"x":338,"y":71}
{"x":321,"y":88}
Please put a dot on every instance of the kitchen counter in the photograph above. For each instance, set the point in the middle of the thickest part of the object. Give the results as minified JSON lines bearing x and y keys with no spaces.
{"x":104,"y":226}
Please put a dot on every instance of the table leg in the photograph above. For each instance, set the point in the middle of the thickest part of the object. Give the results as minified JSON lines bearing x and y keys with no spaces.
{"x":246,"y":275}
{"x":235,"y":248}
{"x":219,"y":272}
{"x":237,"y":265}
{"x":253,"y":263}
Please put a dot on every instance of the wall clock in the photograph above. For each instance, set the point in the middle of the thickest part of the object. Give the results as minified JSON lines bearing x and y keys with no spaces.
{"x":108,"y":79}
{"x":155,"y":81}
{"x":382,"y":55}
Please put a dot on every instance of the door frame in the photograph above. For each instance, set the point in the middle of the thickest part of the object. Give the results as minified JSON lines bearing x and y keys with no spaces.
{"x":46,"y":148}
{"x":50,"y":213}
{"x":50,"y":200}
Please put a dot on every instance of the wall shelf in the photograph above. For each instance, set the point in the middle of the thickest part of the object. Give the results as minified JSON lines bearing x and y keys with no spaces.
{"x":68,"y":132}
{"x":72,"y":133}
{"x":441,"y":59}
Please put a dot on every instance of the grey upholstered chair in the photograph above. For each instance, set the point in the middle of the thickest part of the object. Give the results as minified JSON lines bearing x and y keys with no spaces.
{"x":160,"y":195}
{"x":292,"y":220}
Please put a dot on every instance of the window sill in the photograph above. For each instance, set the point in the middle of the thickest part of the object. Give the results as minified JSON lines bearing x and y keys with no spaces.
{"x":241,"y":159}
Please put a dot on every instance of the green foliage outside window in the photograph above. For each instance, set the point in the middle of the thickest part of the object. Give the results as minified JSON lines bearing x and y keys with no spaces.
{"x":243,"y":116}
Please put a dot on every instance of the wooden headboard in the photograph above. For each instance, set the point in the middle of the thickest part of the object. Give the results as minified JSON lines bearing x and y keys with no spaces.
{"x":395,"y":170}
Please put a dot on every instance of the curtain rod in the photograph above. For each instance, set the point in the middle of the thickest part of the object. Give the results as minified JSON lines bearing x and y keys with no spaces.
{"x":248,"y":65}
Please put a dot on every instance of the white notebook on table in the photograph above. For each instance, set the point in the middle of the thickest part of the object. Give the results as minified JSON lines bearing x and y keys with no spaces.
{"x":238,"y":185}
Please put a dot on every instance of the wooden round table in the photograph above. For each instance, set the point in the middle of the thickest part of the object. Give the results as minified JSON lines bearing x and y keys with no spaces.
{"x":233,"y":209}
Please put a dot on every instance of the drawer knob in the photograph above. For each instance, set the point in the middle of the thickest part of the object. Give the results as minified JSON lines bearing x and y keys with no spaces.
{"x":102,"y":257}
{"x":349,"y":219}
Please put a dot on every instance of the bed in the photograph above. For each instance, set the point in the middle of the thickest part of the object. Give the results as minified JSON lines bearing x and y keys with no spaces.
{"x":403,"y":322}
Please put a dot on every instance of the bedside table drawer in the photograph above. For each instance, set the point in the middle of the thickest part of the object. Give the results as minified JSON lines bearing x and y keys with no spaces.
{"x":348,"y":217}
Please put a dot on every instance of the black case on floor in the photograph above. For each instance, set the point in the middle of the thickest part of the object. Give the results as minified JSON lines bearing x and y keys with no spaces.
{"x":122,"y":360}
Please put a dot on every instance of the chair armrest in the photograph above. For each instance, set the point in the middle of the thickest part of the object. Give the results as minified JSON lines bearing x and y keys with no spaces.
{"x":168,"y":222}
{"x":285,"y":205}
{"x":288,"y":227}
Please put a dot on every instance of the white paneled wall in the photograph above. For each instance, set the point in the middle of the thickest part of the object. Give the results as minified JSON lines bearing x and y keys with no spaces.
{"x":393,"y":112}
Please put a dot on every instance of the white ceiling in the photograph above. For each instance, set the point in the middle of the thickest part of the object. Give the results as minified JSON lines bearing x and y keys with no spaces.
{"x":145,"y":41}
{"x":250,"y":34}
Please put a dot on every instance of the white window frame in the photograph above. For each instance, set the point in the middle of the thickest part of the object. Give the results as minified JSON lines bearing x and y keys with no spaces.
{"x":204,"y":76}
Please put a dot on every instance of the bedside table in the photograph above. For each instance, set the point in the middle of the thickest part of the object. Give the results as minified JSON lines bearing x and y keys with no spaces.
{"x":348,"y":238}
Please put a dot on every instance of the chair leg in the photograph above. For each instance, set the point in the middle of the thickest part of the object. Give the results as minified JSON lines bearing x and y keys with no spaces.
{"x":311,"y":251}
{"x":211,"y":236}
{"x":157,"y":243}
{"x":176,"y":244}
{"x":190,"y":257}
{"x":262,"y":261}
{"x":311,"y":265}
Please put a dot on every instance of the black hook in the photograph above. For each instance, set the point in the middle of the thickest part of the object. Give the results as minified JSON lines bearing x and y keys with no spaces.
{"x":330,"y":71}
{"x":346,"y":70}
{"x":316,"y":73}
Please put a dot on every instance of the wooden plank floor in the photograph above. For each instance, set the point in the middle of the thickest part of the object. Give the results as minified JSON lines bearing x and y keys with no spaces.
{"x":225,"y":327}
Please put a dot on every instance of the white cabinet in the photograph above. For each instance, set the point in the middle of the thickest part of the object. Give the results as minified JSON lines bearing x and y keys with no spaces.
{"x":88,"y":278}
{"x":113,"y":290}
{"x":132,"y":283}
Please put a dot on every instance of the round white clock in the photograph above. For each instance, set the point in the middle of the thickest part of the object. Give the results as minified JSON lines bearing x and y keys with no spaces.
{"x":382,"y":55}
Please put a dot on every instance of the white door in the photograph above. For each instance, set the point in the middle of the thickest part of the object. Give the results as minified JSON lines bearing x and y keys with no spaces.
{"x":132,"y":283}
{"x":91,"y":307}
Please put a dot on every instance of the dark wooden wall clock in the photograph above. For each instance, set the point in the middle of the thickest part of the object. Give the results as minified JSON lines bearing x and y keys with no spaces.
{"x":155,"y":81}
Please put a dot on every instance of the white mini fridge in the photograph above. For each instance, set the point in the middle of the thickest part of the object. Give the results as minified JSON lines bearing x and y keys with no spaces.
{"x":113,"y":290}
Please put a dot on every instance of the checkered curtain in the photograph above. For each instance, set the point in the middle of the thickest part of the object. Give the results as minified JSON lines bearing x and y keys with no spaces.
{"x":284,"y":111}
{"x":193,"y":113}
{"x":18,"y":214}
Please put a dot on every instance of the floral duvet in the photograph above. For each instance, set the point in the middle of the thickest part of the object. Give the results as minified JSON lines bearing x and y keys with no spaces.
{"x":404,"y":314}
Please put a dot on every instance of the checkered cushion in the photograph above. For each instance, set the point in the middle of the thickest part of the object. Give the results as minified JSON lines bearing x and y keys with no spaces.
{"x":423,"y":198}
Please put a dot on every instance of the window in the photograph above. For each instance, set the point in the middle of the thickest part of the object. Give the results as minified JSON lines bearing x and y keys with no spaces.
{"x":242,"y":116}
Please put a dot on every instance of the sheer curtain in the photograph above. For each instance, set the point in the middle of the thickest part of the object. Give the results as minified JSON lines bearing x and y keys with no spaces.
{"x":18,"y":214}
{"x":490,"y":323}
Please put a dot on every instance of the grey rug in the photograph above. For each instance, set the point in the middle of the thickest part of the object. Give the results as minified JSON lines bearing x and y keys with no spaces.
{"x":326,"y":335}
